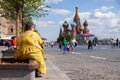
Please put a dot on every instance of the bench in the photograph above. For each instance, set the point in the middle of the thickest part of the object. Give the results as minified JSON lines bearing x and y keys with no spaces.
{"x":11,"y":69}
{"x":8,"y":53}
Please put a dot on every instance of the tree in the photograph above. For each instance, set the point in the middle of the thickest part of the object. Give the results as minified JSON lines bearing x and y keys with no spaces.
{"x":18,"y":9}
{"x":33,"y":9}
{"x":95,"y":40}
{"x":68,"y":37}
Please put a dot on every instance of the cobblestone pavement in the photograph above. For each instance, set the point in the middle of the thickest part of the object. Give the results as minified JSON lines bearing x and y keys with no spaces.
{"x":101,"y":63}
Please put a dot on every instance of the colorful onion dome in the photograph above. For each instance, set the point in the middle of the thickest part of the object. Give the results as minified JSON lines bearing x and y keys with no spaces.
{"x":73,"y":24}
{"x":65,"y":24}
{"x":85,"y":23}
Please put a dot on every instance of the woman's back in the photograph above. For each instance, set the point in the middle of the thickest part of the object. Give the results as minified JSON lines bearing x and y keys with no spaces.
{"x":29,"y":42}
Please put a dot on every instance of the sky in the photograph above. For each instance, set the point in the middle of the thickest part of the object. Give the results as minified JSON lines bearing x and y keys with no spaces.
{"x":103,"y":17}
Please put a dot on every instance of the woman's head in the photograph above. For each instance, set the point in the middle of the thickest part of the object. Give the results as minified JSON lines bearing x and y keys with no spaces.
{"x":29,"y":26}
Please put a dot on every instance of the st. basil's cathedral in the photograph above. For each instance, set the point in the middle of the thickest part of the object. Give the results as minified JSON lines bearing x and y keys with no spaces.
{"x":76,"y":31}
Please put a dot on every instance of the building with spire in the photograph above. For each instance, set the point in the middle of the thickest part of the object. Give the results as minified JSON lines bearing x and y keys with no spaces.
{"x":77,"y":21}
{"x":86,"y":30}
{"x":76,"y":31}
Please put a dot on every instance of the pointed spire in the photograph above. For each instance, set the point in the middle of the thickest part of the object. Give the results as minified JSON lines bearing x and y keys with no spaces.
{"x":85,"y":23}
{"x":76,"y":14}
{"x":76,"y":8}
{"x":77,"y":21}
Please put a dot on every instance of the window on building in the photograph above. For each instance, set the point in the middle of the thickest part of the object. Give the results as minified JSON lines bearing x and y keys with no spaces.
{"x":12,"y":30}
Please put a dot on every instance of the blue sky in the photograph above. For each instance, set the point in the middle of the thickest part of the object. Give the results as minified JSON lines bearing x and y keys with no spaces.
{"x":103,"y":17}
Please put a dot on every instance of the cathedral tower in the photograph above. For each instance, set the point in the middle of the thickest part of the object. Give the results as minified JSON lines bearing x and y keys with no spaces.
{"x":77,"y":21}
{"x":85,"y":24}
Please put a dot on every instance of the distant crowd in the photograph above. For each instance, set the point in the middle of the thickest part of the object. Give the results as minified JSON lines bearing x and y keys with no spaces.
{"x":67,"y":46}
{"x":10,"y":43}
{"x":115,"y":43}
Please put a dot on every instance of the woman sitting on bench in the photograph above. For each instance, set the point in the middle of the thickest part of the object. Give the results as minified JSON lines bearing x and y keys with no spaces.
{"x":30,"y":46}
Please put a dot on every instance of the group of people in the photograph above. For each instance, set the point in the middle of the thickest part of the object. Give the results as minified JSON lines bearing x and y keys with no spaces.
{"x":67,"y":46}
{"x":115,"y":43}
{"x":11,"y":43}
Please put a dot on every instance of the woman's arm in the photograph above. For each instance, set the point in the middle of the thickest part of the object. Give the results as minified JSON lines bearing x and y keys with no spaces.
{"x":40,"y":41}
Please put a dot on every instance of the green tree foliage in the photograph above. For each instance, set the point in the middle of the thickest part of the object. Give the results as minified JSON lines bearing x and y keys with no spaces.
{"x":22,"y":9}
{"x":95,"y":39}
{"x":68,"y":37}
{"x":34,"y":8}
{"x":25,"y":8}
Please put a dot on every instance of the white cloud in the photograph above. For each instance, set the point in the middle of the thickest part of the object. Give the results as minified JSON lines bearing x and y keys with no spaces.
{"x":105,"y":22}
{"x":114,"y":22}
{"x":45,"y":23}
{"x":105,"y":8}
{"x":60,"y":11}
{"x":85,"y":15}
{"x":104,"y":12}
{"x":109,"y":14}
{"x":54,"y":1}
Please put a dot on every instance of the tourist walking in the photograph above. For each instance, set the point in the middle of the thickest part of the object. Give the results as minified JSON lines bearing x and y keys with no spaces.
{"x":52,"y":44}
{"x":64,"y":43}
{"x":60,"y":46}
{"x":13,"y":43}
{"x":90,"y":45}
{"x":29,"y":46}
{"x":73,"y":44}
{"x":117,"y":42}
{"x":68,"y":47}
{"x":112,"y":43}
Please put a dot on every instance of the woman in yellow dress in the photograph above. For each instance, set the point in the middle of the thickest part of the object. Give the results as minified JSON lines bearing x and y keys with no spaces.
{"x":30,"y":46}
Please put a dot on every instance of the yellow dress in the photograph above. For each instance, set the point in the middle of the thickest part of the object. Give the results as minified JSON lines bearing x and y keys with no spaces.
{"x":28,"y":47}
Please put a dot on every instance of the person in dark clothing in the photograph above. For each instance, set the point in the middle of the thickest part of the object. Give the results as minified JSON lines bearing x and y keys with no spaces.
{"x":8,"y":43}
{"x":117,"y":42}
{"x":89,"y":44}
{"x":60,"y":45}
